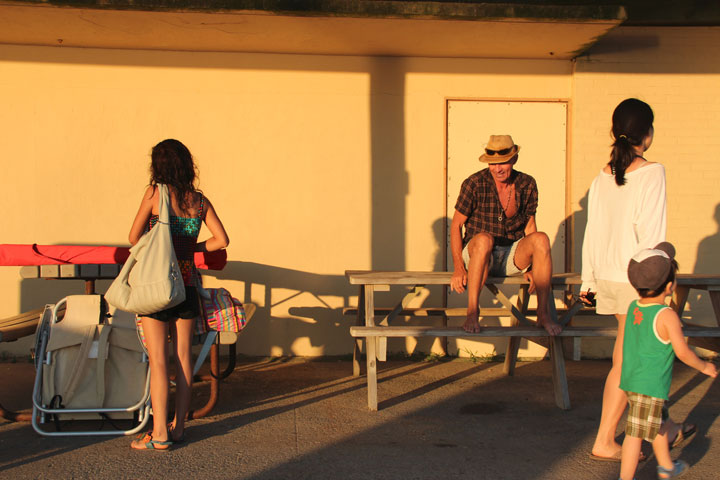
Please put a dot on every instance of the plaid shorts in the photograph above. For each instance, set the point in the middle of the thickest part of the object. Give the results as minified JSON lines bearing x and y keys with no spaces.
{"x":645,"y":416}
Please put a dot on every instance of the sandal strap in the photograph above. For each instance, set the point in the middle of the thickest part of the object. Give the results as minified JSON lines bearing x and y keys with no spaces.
{"x":678,"y":467}
{"x":150,"y":444}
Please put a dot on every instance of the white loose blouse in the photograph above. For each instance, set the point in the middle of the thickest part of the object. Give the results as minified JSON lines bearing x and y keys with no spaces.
{"x":621,"y":221}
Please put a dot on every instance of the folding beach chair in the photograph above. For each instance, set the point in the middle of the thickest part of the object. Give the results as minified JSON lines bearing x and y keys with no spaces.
{"x":90,"y":365}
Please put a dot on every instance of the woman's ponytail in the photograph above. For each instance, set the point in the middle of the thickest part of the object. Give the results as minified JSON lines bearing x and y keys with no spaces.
{"x":632,"y":121}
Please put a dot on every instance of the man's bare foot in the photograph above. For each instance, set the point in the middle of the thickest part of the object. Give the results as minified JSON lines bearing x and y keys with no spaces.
{"x":551,"y":327}
{"x":472,"y":324}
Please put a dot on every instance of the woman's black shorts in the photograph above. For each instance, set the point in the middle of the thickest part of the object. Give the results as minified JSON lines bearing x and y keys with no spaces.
{"x":190,"y":308}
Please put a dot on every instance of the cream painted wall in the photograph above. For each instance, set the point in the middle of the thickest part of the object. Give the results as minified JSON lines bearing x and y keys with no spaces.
{"x":319,"y":164}
{"x":316,"y":164}
{"x":676,"y":71}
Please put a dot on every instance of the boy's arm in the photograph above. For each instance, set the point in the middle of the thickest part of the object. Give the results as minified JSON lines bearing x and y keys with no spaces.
{"x":669,"y":327}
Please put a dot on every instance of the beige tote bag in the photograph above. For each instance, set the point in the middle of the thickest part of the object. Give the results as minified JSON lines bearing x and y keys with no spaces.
{"x":150,"y":280}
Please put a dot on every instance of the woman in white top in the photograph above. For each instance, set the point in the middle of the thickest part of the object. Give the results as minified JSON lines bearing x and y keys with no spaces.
{"x":626,"y":212}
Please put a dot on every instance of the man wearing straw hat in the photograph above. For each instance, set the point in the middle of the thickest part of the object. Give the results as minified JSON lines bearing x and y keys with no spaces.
{"x":497,"y":208}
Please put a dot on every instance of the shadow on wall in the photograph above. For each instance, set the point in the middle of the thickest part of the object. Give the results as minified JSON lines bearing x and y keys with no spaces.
{"x":707,"y":262}
{"x":614,"y":44}
{"x":575,"y":223}
{"x":389,"y":177}
{"x":318,"y":323}
{"x":630,"y":50}
{"x":440,"y":228}
{"x":279,"y":330}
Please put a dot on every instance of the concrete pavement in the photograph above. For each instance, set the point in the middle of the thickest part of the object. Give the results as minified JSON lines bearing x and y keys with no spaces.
{"x":304,"y":419}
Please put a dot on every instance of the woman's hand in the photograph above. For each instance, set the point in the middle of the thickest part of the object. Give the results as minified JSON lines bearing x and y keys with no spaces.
{"x":588,"y":298}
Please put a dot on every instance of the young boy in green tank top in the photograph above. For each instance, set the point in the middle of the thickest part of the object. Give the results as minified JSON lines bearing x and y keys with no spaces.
{"x":653,"y":337}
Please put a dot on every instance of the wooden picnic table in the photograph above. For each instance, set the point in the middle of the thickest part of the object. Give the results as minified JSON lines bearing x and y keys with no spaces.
{"x":374,"y":324}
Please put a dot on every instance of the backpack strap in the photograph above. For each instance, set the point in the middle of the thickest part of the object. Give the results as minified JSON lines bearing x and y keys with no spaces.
{"x":67,"y":390}
{"x":102,"y":354}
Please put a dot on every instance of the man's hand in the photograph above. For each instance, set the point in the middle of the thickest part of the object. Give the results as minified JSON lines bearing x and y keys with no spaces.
{"x":529,"y":278}
{"x":458,"y":280}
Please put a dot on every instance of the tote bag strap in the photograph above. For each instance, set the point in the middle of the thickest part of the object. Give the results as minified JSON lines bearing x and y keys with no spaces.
{"x":164,"y":204}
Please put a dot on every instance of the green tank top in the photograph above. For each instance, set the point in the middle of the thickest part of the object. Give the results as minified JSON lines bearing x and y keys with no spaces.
{"x":647,"y":359}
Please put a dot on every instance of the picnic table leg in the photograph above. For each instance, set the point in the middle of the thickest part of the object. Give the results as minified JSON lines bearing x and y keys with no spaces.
{"x":357,"y":347}
{"x":712,"y":344}
{"x":679,"y":298}
{"x":444,"y":340}
{"x":214,"y":384}
{"x":371,"y":354}
{"x":513,"y":345}
{"x":390,"y":317}
{"x":559,"y":376}
{"x":715,"y":300}
{"x":514,"y":312}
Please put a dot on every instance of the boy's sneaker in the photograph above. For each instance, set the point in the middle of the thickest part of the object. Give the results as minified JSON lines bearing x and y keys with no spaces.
{"x":679,"y":467}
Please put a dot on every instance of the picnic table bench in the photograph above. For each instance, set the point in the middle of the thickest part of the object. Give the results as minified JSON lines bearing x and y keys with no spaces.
{"x":374,"y":324}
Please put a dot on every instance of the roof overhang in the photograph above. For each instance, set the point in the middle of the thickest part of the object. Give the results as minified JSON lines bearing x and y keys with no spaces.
{"x":325,"y":27}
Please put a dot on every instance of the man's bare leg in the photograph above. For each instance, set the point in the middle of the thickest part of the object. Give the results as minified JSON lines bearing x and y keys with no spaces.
{"x":535,"y":249}
{"x":479,"y":248}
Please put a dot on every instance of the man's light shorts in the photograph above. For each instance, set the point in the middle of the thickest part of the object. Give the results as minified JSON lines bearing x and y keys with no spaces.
{"x":613,"y":298}
{"x":645,"y":416}
{"x":501,"y":261}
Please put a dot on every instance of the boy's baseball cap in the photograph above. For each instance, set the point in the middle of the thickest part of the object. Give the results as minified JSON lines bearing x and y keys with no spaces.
{"x":649,"y":268}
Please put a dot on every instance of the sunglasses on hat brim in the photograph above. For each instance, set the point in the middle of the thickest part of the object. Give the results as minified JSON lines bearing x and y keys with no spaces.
{"x":504,"y":151}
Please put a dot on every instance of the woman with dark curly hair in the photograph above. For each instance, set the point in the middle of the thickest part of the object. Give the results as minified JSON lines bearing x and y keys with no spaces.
{"x":172,"y":165}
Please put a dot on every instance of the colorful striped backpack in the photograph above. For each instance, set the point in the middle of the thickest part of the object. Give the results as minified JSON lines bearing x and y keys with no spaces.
{"x":222,"y":312}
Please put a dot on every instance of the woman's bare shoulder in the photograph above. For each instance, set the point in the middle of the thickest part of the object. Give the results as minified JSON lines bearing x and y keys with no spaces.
{"x":150,"y":192}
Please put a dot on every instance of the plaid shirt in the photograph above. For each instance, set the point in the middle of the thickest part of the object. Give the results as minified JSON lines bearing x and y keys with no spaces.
{"x":479,"y":201}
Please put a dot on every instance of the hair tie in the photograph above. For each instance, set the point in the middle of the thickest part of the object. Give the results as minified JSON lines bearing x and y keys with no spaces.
{"x":623,"y":136}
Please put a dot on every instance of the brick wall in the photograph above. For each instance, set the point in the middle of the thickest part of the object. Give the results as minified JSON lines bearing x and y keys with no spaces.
{"x":677,"y":71}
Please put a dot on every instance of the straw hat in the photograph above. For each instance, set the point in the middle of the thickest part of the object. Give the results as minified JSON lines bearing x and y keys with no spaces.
{"x":499,"y":149}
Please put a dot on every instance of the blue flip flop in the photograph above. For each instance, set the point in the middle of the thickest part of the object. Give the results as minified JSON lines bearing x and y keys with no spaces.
{"x":147,"y":443}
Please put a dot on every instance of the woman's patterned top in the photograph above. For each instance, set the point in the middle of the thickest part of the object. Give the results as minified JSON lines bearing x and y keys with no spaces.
{"x":185,"y":231}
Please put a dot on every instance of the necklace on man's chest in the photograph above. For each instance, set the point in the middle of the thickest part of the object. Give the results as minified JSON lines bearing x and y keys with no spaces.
{"x":504,"y":209}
